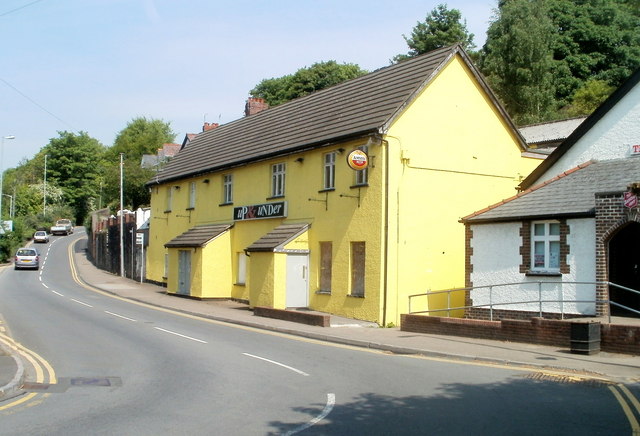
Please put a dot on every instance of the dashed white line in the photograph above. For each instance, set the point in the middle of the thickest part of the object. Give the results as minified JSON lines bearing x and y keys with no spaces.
{"x":181,"y":335}
{"x":45,"y":285}
{"x":120,"y":316}
{"x":81,"y":302}
{"x":331,"y":401}
{"x":278,"y":363}
{"x":57,"y":293}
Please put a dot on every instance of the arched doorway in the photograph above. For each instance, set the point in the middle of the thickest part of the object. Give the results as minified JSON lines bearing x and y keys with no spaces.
{"x":624,"y":268}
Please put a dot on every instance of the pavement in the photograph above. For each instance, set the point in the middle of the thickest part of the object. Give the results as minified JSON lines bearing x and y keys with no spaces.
{"x":617,"y":368}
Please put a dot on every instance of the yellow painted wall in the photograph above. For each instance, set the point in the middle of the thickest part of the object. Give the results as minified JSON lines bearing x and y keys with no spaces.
{"x":334,"y":218}
{"x":217,"y":268}
{"x":262,"y":280}
{"x":451,"y":153}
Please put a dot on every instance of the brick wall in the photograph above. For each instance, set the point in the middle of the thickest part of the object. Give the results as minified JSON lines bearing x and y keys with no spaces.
{"x":614,"y":338}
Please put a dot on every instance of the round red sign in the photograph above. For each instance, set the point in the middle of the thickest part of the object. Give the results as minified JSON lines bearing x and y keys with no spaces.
{"x":358,"y":160}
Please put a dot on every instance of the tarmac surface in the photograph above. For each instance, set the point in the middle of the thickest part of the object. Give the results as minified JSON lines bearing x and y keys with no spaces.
{"x":617,"y":368}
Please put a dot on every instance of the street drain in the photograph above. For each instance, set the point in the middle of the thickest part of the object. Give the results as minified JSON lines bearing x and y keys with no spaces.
{"x":65,"y":383}
{"x":567,"y":379}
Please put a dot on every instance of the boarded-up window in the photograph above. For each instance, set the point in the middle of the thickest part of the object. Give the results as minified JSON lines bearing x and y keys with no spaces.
{"x":326,"y":249}
{"x":357,"y":268}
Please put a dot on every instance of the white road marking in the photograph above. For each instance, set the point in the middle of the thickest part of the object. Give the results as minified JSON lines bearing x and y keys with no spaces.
{"x":278,"y":363}
{"x":80,"y":302}
{"x":331,"y":401}
{"x":120,"y":316}
{"x":57,"y":293}
{"x":182,"y":336}
{"x":44,"y":285}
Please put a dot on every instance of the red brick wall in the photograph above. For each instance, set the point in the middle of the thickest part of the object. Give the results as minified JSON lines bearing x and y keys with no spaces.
{"x":614,"y":338}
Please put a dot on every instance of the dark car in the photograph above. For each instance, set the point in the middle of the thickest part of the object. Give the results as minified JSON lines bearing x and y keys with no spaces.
{"x":27,"y":258}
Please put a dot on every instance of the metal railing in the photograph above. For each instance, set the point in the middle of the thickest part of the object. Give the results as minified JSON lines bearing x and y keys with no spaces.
{"x":540,"y":301}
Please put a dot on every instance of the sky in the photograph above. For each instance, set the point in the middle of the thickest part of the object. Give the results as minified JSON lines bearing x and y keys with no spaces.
{"x":95,"y":65}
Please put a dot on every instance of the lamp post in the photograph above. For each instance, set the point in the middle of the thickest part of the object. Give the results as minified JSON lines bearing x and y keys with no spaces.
{"x":2,"y":168}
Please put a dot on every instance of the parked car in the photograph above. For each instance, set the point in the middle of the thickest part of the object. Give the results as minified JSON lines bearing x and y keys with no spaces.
{"x":27,"y":258}
{"x":40,"y":236}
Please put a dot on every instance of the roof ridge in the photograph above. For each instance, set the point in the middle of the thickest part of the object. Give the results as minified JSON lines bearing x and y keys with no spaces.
{"x":529,"y":190}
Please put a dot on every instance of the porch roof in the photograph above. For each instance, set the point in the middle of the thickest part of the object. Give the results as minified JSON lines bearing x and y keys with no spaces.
{"x":278,"y":237}
{"x":198,"y":236}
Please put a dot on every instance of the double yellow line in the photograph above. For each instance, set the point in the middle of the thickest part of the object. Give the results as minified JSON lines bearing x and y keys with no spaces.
{"x":629,"y":403}
{"x":44,"y":372}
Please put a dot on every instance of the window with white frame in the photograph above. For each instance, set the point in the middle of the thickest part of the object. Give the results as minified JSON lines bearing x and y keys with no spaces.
{"x":192,"y":195}
{"x":330,"y":170}
{"x":277,"y":180}
{"x":545,"y":246}
{"x":362,"y":176}
{"x":227,"y":188}
{"x":166,"y":265}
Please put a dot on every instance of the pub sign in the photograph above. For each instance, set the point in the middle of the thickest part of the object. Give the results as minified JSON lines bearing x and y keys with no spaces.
{"x":260,"y":211}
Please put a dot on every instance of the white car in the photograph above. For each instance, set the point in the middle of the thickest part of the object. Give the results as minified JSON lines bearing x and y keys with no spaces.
{"x":41,"y":236}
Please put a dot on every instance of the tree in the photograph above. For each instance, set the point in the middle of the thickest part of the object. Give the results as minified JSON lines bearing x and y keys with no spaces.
{"x":587,"y":98}
{"x":442,"y":27}
{"x":74,"y":163}
{"x":319,"y":76}
{"x":587,"y":40}
{"x":595,"y":39}
{"x":517,"y":60}
{"x":142,"y":136}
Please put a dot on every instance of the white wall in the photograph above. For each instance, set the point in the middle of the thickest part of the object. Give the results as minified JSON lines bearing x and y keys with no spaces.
{"x":610,"y":138}
{"x":496,"y":260}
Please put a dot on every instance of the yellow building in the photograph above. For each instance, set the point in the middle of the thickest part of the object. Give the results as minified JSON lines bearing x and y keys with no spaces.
{"x":266,"y":209}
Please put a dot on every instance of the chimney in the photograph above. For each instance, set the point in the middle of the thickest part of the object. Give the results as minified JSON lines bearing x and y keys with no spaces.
{"x":209,"y":126}
{"x":255,"y":105}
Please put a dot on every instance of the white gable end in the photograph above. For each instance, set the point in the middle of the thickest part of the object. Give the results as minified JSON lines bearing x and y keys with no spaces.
{"x":610,"y":138}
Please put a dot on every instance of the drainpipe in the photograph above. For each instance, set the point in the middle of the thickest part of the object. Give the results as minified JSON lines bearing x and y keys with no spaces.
{"x":386,"y":232}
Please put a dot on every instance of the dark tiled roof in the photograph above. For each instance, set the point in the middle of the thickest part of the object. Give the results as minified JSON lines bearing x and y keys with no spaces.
{"x":571,"y":193}
{"x":582,"y":129}
{"x":198,"y":236}
{"x":278,"y":237}
{"x":358,"y":107}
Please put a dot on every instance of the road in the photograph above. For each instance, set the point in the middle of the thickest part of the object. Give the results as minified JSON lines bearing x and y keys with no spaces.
{"x":102,"y":366}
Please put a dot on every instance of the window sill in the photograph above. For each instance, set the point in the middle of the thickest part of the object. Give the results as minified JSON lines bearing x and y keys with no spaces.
{"x":226,"y":204}
{"x":543,"y":274}
{"x":167,"y":211}
{"x":355,"y":296}
{"x":275,"y":197}
{"x":239,"y":284}
{"x":364,"y":185}
{"x":321,"y":292}
{"x":190,"y":208}
{"x":326,"y":190}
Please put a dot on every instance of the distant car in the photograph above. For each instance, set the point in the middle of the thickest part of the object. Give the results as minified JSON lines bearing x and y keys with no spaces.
{"x":40,"y":236}
{"x":27,"y":258}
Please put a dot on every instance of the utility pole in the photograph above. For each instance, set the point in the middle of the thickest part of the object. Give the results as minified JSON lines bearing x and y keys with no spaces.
{"x":121,"y":215}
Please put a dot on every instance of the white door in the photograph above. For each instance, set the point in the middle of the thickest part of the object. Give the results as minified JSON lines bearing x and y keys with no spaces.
{"x":297,"y":286}
{"x":184,"y":272}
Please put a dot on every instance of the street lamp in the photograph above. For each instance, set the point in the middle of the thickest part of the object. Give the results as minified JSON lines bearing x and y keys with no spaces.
{"x":2,"y":168}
